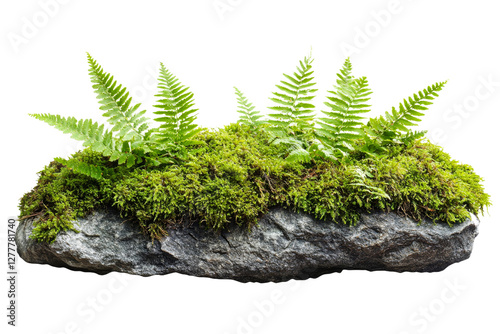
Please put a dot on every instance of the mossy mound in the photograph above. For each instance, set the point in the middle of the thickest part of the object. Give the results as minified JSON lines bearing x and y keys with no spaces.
{"x":238,"y":175}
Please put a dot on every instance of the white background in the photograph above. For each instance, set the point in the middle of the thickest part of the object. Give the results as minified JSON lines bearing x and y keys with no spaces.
{"x":401,"y":46}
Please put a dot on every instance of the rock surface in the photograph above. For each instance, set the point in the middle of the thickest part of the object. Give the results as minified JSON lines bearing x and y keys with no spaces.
{"x":285,"y":245}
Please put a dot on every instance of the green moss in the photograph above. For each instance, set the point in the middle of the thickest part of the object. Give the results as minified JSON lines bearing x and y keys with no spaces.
{"x":60,"y":197}
{"x":237,"y":176}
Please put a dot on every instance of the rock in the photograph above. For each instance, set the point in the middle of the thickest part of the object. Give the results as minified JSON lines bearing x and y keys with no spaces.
{"x":285,"y":245}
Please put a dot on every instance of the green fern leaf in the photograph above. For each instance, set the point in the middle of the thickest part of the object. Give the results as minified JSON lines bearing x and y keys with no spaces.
{"x":93,"y":135}
{"x":298,"y":154}
{"x":339,"y":130}
{"x":292,"y":123}
{"x":177,"y":114}
{"x":96,"y":172}
{"x":295,"y":112}
{"x":411,"y":136}
{"x":249,"y":116}
{"x":360,"y":178}
{"x":86,"y":130}
{"x":394,"y":126}
{"x":115,"y":101}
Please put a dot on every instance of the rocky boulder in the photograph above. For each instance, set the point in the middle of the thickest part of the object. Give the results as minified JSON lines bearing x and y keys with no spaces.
{"x":285,"y":245}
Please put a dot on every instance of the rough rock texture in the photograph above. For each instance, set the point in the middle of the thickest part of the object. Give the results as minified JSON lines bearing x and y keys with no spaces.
{"x":284,"y":246}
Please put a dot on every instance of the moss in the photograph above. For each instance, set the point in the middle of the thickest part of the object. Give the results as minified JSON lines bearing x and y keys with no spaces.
{"x":60,"y":197}
{"x":237,"y":176}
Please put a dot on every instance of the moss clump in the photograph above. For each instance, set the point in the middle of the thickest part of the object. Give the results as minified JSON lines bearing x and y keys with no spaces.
{"x":237,"y":176}
{"x":62,"y":196}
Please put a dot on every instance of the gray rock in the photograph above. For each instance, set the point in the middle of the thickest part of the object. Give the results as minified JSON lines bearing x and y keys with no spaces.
{"x":285,"y":245}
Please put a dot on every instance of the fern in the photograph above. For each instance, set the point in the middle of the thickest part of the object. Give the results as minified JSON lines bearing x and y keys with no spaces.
{"x":294,"y":123}
{"x":412,"y":135}
{"x":341,"y":128}
{"x":177,"y":114}
{"x":93,"y":136}
{"x":246,"y":109}
{"x":131,"y":142}
{"x":394,"y":126}
{"x":360,"y":176}
{"x":128,"y":141}
{"x":293,"y":102}
{"x":115,"y":101}
{"x":96,"y":172}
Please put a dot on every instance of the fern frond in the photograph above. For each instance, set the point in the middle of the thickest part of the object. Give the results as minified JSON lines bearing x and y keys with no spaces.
{"x":293,"y":101}
{"x":347,"y":102}
{"x":296,"y":150}
{"x":96,"y":172}
{"x":249,"y":116}
{"x":129,"y":123}
{"x":391,"y":127}
{"x":360,"y":176}
{"x":298,"y":154}
{"x":177,"y":114}
{"x":93,"y":135}
{"x":411,"y":136}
